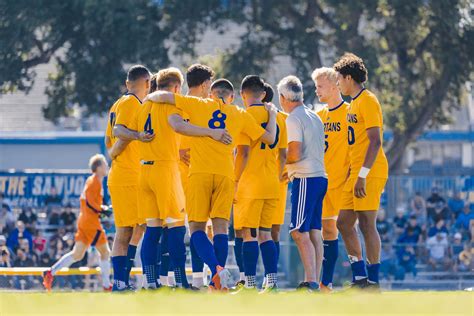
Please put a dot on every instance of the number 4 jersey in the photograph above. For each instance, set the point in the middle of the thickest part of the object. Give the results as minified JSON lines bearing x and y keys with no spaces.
{"x":260,"y":179}
{"x":365,"y":112}
{"x":336,"y":156}
{"x":208,"y":155}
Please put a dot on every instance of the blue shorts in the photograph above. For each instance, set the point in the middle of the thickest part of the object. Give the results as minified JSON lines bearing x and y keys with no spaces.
{"x":307,"y":195}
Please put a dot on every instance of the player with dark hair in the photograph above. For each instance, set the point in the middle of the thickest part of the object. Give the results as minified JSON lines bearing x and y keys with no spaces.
{"x":360,"y":200}
{"x":222,"y":89}
{"x":258,"y":173}
{"x":89,"y":229}
{"x":123,"y":177}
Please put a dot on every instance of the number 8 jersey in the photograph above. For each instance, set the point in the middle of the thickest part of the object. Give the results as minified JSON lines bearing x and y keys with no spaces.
{"x":365,"y":112}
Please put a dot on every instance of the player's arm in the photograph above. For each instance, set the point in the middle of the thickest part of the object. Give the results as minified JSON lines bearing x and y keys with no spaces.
{"x":182,"y":127}
{"x":241,"y":159}
{"x":295,"y":140}
{"x":122,"y":132}
{"x":93,"y":197}
{"x":161,"y":97}
{"x":281,"y":164}
{"x":117,"y":148}
{"x":270,"y":130}
{"x":373,"y":149}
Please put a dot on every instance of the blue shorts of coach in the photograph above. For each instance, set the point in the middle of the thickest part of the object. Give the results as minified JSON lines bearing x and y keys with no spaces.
{"x":307,"y":196}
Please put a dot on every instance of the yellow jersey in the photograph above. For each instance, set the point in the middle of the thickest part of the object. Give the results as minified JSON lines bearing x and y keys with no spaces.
{"x":125,"y":168}
{"x":260,"y":178}
{"x":336,"y":148}
{"x":153,"y":118}
{"x":208,"y":155}
{"x":365,"y":112}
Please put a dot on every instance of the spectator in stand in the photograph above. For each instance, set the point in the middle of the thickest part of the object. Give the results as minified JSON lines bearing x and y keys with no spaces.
{"x":439,"y":252}
{"x":388,"y":264}
{"x":25,"y":246}
{"x":440,"y":227}
{"x":68,"y":218}
{"x":45,"y":260}
{"x":18,"y":233}
{"x":456,"y":204}
{"x":53,"y":218}
{"x":383,"y":226}
{"x":7,"y":220}
{"x":457,"y":247}
{"x":29,"y":218}
{"x":412,"y":233}
{"x":22,"y":260}
{"x":466,"y":258}
{"x":435,"y":203}
{"x":5,"y":257}
{"x":407,"y":260}
{"x":39,"y":242}
{"x":463,"y":222}
{"x":400,"y":221}
{"x":53,"y":199}
{"x":3,"y":203}
{"x":418,"y":209}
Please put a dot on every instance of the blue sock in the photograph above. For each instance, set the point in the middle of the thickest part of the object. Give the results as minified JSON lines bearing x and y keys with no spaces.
{"x":164,"y":255}
{"x":196,"y":262}
{"x":177,"y":251}
{"x":250,"y":255}
{"x":238,"y":253}
{"x":151,"y":240}
{"x":158,"y":262}
{"x":131,"y":252}
{"x":277,"y":245}
{"x":221,"y":248}
{"x":358,"y":270}
{"x":331,"y":249}
{"x":205,"y":250}
{"x":269,"y":256}
{"x":373,"y":272}
{"x":119,"y":264}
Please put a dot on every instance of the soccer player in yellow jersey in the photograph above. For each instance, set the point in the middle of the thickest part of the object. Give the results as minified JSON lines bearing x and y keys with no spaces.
{"x":258,"y":175}
{"x":336,"y":161}
{"x":210,"y":190}
{"x":360,"y":200}
{"x":161,"y":197}
{"x":123,"y":176}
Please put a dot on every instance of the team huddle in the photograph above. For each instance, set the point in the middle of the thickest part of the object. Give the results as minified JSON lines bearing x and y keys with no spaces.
{"x":199,"y":161}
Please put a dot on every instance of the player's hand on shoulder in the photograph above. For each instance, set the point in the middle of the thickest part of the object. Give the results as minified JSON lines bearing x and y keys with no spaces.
{"x":154,"y":96}
{"x":145,"y":137}
{"x":271,"y":108}
{"x":221,"y":135}
{"x":184,"y":156}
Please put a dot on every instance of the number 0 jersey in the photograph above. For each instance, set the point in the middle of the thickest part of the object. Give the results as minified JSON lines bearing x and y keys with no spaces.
{"x":260,"y":178}
{"x":153,"y":118}
{"x":365,"y":112}
{"x":208,"y":155}
{"x":125,"y":168}
{"x":336,"y":149}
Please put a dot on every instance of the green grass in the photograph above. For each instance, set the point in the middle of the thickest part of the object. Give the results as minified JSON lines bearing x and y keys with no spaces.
{"x":283,"y":303}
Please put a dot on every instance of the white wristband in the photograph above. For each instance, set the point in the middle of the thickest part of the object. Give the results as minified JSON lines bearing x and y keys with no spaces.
{"x":364,"y":172}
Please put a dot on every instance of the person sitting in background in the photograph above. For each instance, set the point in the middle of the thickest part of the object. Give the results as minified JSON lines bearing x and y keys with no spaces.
{"x":456,"y":204}
{"x":23,"y":260}
{"x":387,"y":261}
{"x":53,"y":199}
{"x":440,"y":227}
{"x":5,"y":257}
{"x":29,"y":218}
{"x":436,"y":206}
{"x":53,"y":216}
{"x":39,"y":242}
{"x":464,"y":219}
{"x":439,"y":252}
{"x":68,"y":218}
{"x":456,"y":248}
{"x":411,"y":234}
{"x":407,"y":260}
{"x":18,"y":233}
{"x":7,"y":220}
{"x":400,"y":220}
{"x":466,"y":262}
{"x":383,"y":226}
{"x":418,"y":208}
{"x":24,"y":244}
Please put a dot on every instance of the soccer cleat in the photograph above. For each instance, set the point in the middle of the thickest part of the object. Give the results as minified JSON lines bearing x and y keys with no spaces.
{"x":128,"y":289}
{"x":269,"y":289}
{"x":108,"y":289}
{"x":307,"y":287}
{"x":243,"y":290}
{"x":221,"y":279}
{"x":326,"y":289}
{"x":359,"y":284}
{"x":48,"y":280}
{"x":372,"y":287}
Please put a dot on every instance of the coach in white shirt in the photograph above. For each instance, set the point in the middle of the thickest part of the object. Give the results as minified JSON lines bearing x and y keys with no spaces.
{"x":305,"y":162}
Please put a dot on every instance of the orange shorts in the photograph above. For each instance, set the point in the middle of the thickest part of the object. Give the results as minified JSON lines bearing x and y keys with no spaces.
{"x":91,"y":237}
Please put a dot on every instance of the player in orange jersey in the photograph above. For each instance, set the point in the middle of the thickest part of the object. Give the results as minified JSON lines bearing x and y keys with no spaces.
{"x":89,"y":229}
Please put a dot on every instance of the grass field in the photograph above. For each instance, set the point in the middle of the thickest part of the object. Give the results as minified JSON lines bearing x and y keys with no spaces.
{"x":283,"y":303}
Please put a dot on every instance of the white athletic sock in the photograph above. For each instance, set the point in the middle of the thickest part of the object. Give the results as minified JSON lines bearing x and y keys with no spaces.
{"x":105,"y":272}
{"x":198,"y":279}
{"x":171,"y":279}
{"x":164,"y":280}
{"x":64,"y":262}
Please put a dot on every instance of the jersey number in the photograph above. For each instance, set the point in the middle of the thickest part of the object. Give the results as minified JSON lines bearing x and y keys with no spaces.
{"x":147,"y":127}
{"x":350,"y":135}
{"x":217,"y":120}
{"x":277,"y":136}
{"x":326,"y":143}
